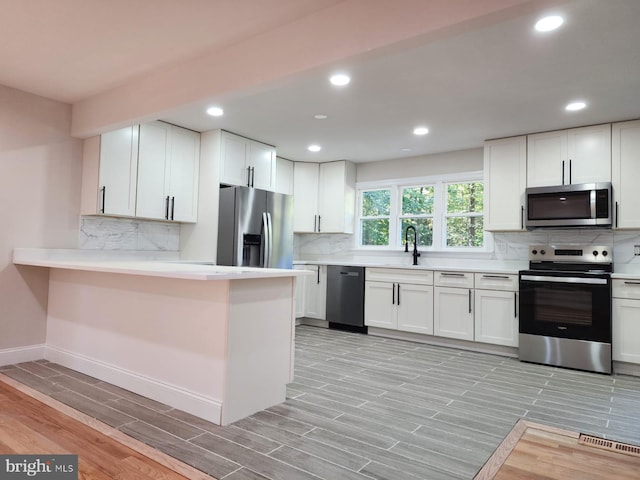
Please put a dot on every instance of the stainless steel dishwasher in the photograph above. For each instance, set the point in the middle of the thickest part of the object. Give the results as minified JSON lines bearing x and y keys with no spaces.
{"x":345,"y":298}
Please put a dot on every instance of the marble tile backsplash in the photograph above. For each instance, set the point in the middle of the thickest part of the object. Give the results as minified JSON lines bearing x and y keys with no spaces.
{"x":111,"y":233}
{"x":512,"y":246}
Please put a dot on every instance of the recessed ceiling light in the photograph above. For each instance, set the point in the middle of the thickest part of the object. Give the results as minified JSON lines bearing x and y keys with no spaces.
{"x":340,"y":79}
{"x":320,"y":116}
{"x":574,"y":106}
{"x":420,"y":131}
{"x":405,"y":149}
{"x":549,"y":23}
{"x":314,"y":148}
{"x":215,"y":111}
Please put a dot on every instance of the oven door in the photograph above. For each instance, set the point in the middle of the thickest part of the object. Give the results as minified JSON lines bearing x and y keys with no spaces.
{"x":568,"y":305}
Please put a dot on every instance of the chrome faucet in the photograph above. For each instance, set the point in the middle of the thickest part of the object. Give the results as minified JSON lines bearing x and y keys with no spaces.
{"x":415,"y":254}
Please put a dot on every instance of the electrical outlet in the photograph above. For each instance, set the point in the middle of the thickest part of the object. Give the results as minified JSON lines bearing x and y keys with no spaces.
{"x":636,"y":249}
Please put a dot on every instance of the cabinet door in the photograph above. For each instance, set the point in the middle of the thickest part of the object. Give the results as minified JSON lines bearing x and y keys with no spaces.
{"x":505,"y":180}
{"x":300,"y":290}
{"x":234,"y":151}
{"x":336,"y":197}
{"x":305,"y":193}
{"x":183,"y":174}
{"x":496,"y":319}
{"x":262,"y":160}
{"x":118,"y":172}
{"x":153,"y":161}
{"x":315,"y":295}
{"x":625,"y":149}
{"x":284,"y":176}
{"x":589,"y":154}
{"x":415,"y":308}
{"x":546,"y":153}
{"x":379,"y":305}
{"x":453,"y":313}
{"x":626,"y":330}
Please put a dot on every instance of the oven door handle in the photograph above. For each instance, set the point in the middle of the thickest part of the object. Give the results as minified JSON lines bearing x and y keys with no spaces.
{"x":582,"y":280}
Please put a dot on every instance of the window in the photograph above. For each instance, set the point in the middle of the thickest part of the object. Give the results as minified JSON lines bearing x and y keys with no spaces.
{"x":463,"y":219}
{"x":417,"y":211}
{"x":375,"y":216}
{"x":447,"y":213}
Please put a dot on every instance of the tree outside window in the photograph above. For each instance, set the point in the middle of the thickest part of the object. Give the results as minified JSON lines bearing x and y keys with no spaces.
{"x":464,"y":219}
{"x":417,"y":211}
{"x":375,"y":217}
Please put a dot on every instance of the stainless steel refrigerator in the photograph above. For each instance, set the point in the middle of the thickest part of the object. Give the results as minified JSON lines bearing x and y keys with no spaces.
{"x":255,"y":228}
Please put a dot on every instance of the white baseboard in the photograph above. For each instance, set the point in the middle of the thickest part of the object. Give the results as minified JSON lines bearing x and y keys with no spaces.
{"x":30,"y":353}
{"x":176,"y":397}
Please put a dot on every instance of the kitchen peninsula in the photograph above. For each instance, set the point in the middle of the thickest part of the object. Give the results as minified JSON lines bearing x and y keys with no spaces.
{"x":214,"y":341}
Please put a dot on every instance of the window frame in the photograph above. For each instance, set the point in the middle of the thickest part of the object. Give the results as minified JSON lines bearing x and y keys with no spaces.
{"x":440,"y":214}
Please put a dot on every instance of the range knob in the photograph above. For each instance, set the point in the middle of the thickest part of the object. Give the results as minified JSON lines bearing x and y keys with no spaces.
{"x":595,"y":253}
{"x":542,"y":252}
{"x":534,"y":251}
{"x":605,"y":253}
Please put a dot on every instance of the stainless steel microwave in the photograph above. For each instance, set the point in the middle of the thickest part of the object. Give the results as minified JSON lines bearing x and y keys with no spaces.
{"x":580,"y":205}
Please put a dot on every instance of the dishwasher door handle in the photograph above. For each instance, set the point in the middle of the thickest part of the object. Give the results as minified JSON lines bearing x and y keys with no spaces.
{"x":350,"y":274}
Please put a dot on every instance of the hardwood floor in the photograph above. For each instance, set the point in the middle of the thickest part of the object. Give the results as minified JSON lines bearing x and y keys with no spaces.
{"x":534,"y":451}
{"x":364,"y":407}
{"x":29,"y":426}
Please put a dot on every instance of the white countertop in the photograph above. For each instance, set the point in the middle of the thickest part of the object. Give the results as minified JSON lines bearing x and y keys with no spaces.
{"x":95,"y":262}
{"x":489,"y":266}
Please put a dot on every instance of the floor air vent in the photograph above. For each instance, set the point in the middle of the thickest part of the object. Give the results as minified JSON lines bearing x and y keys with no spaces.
{"x":609,"y":445}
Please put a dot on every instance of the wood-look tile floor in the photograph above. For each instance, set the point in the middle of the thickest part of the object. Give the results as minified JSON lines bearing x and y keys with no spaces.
{"x":364,"y":407}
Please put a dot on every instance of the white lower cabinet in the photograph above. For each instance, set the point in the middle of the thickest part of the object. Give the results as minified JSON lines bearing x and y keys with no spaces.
{"x":626,"y":320}
{"x":311,"y":292}
{"x":496,"y":309}
{"x":453,"y":305}
{"x":399,"y":299}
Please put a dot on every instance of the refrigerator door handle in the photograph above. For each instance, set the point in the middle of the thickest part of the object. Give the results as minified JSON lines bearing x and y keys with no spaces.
{"x":264,"y":241}
{"x":270,"y":243}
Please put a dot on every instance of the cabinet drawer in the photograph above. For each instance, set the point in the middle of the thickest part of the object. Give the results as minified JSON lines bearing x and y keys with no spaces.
{"x":454,"y":279}
{"x":626,"y":288}
{"x":496,"y":281}
{"x":399,"y":275}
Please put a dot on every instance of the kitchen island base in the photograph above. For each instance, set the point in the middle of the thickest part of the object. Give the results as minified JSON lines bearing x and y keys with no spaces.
{"x":220,"y":350}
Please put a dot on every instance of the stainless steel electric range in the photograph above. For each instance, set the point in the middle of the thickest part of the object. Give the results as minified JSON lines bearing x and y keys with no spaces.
{"x":565,"y":307}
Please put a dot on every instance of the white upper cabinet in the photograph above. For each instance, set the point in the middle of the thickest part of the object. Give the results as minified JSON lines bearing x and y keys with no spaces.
{"x":246,"y":162}
{"x":184,"y":174}
{"x":505,"y":180}
{"x":284,"y":176}
{"x":563,"y":157}
{"x":168,"y":168}
{"x":625,"y":150}
{"x":324,"y":197}
{"x":118,"y":172}
{"x":305,"y":194}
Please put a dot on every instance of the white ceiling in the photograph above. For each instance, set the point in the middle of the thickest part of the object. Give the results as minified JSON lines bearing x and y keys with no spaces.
{"x":487,"y":82}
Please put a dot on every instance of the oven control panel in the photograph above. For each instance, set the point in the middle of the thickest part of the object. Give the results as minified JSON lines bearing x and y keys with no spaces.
{"x":570,"y":253}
